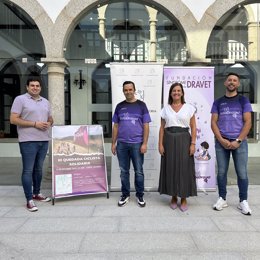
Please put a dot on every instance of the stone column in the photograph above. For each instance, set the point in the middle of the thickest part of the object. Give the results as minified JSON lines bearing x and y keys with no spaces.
{"x":102,"y":27}
{"x":101,"y":18}
{"x":153,"y":41}
{"x":253,"y":31}
{"x":56,"y":88}
{"x":56,"y":97}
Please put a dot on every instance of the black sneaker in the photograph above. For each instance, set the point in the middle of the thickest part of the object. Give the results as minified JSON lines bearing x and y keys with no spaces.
{"x":123,"y":200}
{"x":141,"y":202}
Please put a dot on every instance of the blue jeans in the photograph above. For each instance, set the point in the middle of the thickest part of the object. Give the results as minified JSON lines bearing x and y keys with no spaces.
{"x":125,"y":153}
{"x":33,"y":155}
{"x":240,"y":158}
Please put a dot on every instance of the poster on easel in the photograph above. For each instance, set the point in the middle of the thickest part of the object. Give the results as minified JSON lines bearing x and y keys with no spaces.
{"x":78,"y":161}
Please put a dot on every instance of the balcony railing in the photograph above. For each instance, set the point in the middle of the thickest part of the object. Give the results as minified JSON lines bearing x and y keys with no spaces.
{"x":171,"y":51}
{"x":230,"y":50}
{"x":139,"y":51}
{"x":128,"y":50}
{"x":168,"y":52}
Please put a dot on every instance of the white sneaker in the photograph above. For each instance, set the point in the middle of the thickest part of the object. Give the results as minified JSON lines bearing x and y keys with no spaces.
{"x":220,"y":204}
{"x":244,"y":207}
{"x":123,"y":200}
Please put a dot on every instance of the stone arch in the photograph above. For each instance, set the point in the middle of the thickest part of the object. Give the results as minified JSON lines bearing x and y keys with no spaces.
{"x":198,"y":34}
{"x":250,"y":14}
{"x":65,"y":23}
{"x":253,"y":28}
{"x":55,"y":35}
{"x":39,"y":15}
{"x":71,"y":14}
{"x":217,"y":12}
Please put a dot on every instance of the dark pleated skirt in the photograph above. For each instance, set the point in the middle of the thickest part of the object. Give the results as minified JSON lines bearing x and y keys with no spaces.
{"x":177,"y":173}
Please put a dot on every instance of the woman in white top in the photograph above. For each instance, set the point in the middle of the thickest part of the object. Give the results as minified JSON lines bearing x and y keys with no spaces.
{"x":177,"y":139}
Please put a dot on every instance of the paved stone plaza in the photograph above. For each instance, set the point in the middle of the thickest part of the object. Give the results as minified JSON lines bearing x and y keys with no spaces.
{"x":94,"y":227}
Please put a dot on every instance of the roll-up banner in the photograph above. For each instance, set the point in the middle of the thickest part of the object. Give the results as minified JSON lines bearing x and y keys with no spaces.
{"x":78,"y":161}
{"x":198,"y":84}
{"x":148,"y":82}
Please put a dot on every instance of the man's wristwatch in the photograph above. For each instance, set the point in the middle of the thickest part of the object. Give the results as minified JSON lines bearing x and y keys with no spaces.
{"x":239,"y":141}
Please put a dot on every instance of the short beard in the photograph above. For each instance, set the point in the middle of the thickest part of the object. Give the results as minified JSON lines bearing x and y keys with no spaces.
{"x":232,"y":90}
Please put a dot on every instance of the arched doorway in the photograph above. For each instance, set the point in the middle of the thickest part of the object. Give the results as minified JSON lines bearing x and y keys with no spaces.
{"x":230,"y":50}
{"x":116,"y":32}
{"x":21,"y":51}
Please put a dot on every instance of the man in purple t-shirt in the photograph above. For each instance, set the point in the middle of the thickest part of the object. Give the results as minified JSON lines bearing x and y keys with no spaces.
{"x":32,"y":115}
{"x":231,"y":123}
{"x":129,"y":141}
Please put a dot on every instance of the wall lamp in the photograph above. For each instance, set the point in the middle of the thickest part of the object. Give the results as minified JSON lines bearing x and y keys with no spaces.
{"x":80,"y":82}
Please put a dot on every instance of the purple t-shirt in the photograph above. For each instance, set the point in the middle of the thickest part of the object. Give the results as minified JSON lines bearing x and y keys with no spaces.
{"x":130,"y":118}
{"x":230,"y":112}
{"x":31,"y":110}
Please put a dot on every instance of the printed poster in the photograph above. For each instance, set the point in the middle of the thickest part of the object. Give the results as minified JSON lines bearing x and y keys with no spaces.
{"x":78,"y":160}
{"x":198,"y":84}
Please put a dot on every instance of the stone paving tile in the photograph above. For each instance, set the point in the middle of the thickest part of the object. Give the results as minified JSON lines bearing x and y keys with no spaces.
{"x":94,"y":227}
{"x":10,"y":225}
{"x":66,"y":225}
{"x":4,"y":210}
{"x":12,"y":191}
{"x":132,"y":209}
{"x":3,"y":192}
{"x":41,"y":243}
{"x":171,"y":255}
{"x":77,"y":256}
{"x":227,"y":241}
{"x":141,"y":243}
{"x":47,"y":210}
{"x":167,"y":224}
{"x":99,"y":199}
{"x":133,"y":256}
{"x":9,"y":252}
{"x":239,"y":224}
{"x":8,"y":201}
{"x":255,"y":222}
{"x":184,"y":255}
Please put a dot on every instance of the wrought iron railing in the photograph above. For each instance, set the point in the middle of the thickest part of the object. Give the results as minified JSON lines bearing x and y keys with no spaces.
{"x":231,"y":50}
{"x":140,"y":51}
{"x":171,"y":51}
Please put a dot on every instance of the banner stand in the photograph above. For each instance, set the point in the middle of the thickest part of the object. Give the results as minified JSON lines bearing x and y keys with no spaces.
{"x":148,"y":78}
{"x":198,"y":84}
{"x":78,"y":161}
